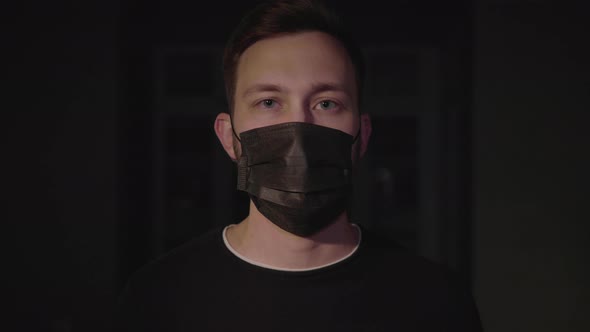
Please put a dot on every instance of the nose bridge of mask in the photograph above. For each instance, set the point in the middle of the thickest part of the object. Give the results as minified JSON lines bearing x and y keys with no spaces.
{"x":358,"y":132}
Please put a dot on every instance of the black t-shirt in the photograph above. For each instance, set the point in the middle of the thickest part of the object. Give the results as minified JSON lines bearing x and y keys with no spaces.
{"x":203,"y":286}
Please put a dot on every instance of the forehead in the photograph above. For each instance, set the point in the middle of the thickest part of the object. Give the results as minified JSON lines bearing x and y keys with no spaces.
{"x":295,"y":60}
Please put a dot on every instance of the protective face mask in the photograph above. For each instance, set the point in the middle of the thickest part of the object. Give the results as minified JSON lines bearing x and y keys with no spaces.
{"x":297,"y":174}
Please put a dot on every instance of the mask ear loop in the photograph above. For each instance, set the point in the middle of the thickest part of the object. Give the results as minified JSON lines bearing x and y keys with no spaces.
{"x":231,"y":120}
{"x":358,"y":133}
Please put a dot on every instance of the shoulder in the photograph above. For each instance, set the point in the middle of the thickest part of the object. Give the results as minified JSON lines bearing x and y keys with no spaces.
{"x":388,"y":255}
{"x":433,"y":288}
{"x":389,"y":263}
{"x":157,"y":288}
{"x":181,"y":262}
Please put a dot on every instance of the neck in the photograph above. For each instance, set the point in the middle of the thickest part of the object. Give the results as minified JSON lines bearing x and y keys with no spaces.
{"x":258,"y":239}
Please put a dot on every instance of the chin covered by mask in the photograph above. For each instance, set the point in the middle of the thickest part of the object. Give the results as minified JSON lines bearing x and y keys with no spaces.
{"x":297,"y":174}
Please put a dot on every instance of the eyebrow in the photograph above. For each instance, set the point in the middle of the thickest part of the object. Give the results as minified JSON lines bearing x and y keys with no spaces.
{"x":262,"y":88}
{"x":315,"y":88}
{"x":323,"y":87}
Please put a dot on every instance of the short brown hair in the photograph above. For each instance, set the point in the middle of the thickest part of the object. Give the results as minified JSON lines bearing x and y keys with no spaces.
{"x":273,"y":18}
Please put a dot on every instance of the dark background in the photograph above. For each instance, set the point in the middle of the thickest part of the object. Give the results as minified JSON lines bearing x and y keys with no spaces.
{"x":479,"y":158}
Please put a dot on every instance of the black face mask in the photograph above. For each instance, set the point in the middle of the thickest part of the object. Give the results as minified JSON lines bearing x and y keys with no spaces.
{"x":297,"y":174}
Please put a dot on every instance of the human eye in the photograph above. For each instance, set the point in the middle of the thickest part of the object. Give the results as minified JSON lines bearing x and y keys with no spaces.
{"x":328,"y":105}
{"x":268,"y":104}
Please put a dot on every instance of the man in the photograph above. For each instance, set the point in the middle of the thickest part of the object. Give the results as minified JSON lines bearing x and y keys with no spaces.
{"x":296,"y":263}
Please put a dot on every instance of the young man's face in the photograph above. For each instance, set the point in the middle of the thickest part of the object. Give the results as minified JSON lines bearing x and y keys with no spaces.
{"x":301,"y":77}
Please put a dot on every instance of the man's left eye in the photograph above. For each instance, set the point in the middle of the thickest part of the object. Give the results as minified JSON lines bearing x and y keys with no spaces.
{"x":327,"y":105}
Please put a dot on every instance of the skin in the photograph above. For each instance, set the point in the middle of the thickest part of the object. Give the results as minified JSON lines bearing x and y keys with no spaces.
{"x":301,"y":77}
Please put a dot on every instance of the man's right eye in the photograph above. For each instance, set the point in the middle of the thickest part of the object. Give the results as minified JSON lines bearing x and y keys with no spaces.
{"x":268,"y":103}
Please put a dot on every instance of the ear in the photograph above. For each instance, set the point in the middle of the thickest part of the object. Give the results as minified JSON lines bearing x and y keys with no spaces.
{"x":223,"y":130}
{"x":366,"y":129}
